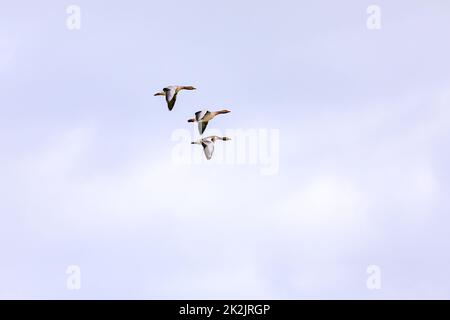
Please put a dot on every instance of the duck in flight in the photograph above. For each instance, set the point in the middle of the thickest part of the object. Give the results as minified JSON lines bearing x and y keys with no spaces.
{"x":171,"y":93}
{"x":208,"y":144}
{"x":204,"y":116}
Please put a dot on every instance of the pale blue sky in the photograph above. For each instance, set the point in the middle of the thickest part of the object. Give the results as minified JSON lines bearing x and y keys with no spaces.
{"x":86,"y":176}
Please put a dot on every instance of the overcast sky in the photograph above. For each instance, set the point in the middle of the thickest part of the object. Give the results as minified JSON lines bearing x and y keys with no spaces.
{"x":357,"y":123}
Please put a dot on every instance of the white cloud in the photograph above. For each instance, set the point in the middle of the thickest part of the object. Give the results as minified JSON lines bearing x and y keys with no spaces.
{"x":327,"y":203}
{"x":375,"y":178}
{"x":62,"y":190}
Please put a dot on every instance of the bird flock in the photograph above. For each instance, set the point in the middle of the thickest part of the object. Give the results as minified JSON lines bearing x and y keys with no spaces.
{"x":202,"y":118}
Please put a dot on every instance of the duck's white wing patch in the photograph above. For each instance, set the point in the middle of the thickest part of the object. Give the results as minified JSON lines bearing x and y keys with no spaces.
{"x":208,"y":148}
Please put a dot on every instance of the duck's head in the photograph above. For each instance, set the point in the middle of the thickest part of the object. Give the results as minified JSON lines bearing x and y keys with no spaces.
{"x":226,"y":139}
{"x":160,"y":94}
{"x":189,"y":88}
{"x":225,"y":111}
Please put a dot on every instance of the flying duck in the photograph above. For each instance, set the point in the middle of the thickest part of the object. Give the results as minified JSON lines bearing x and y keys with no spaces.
{"x":208,"y":144}
{"x":171,"y":93}
{"x":204,"y":116}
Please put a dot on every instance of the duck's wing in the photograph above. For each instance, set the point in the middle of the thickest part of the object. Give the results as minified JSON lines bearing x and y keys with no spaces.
{"x":202,"y":126}
{"x":208,"y":148}
{"x":199,"y":115}
{"x":171,"y":97}
{"x":171,"y":103}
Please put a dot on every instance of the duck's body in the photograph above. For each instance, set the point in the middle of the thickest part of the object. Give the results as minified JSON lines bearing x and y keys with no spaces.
{"x":208,"y":144}
{"x":204,"y":116}
{"x":171,"y":93}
